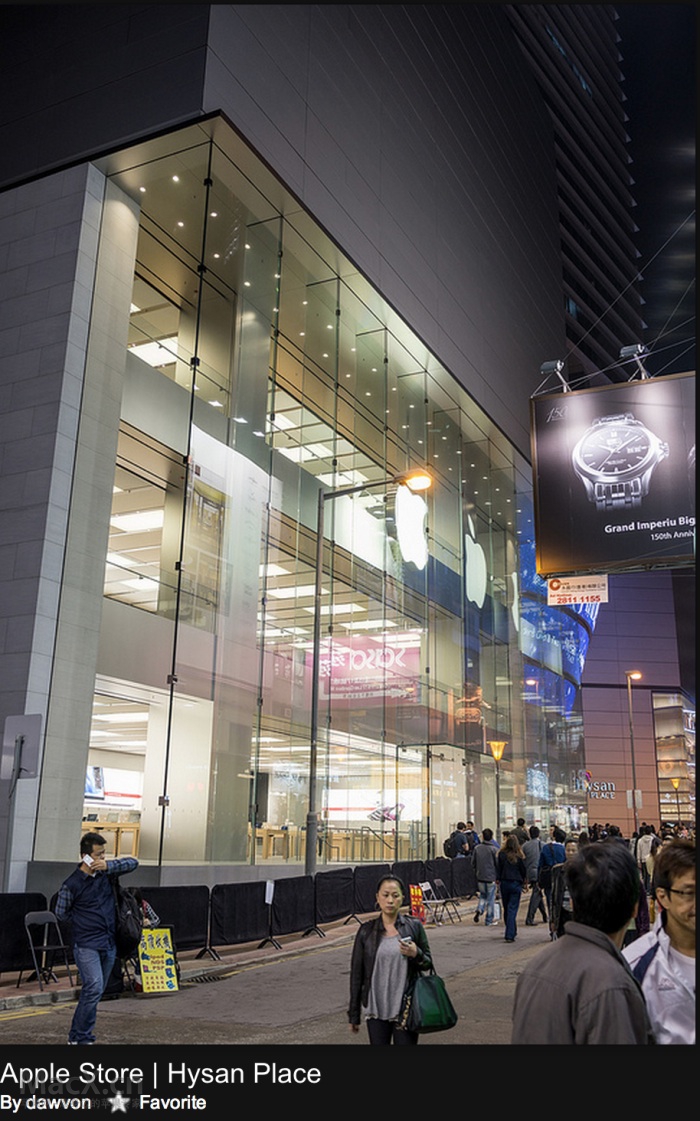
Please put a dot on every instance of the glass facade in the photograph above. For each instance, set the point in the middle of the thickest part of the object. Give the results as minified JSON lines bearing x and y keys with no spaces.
{"x":261,"y":368}
{"x":674,"y":737}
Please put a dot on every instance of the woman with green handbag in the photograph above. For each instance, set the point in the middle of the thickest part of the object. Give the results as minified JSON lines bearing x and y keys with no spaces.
{"x":388,"y":953}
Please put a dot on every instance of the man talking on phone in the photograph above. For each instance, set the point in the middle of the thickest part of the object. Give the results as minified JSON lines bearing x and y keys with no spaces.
{"x":86,"y":900}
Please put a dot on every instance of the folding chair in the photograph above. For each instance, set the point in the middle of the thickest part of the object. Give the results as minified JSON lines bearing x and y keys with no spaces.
{"x":447,"y":902}
{"x":45,"y":951}
{"x":433,"y":907}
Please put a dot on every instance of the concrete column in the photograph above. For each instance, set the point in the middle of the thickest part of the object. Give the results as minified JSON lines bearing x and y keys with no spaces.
{"x":70,"y":246}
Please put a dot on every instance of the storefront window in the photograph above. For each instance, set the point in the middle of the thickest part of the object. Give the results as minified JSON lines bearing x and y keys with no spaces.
{"x":258,"y":372}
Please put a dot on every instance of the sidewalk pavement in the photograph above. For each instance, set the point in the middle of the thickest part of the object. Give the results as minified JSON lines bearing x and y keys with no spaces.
{"x":195,"y":969}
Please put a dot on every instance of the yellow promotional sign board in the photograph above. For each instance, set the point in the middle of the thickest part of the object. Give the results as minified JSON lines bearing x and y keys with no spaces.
{"x":157,"y":960}
{"x":417,"y":904}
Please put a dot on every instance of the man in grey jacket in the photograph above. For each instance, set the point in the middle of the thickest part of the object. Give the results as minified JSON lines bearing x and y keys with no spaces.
{"x":486,"y":868}
{"x":580,"y":989}
{"x":531,"y":852}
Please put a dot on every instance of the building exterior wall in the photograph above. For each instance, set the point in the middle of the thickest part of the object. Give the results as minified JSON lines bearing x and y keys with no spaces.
{"x":431,"y":168}
{"x":87,"y":78}
{"x":50,"y":234}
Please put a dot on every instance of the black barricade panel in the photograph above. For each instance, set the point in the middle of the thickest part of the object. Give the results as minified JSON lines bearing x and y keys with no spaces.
{"x":14,"y":944}
{"x":335,"y":894}
{"x":440,"y":869}
{"x":367,"y":876}
{"x":238,"y":914}
{"x":409,"y":872}
{"x":293,"y":905}
{"x":185,"y":909}
{"x":463,"y":877}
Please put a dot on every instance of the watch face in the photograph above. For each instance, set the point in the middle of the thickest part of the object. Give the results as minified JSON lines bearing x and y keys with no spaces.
{"x":614,"y":449}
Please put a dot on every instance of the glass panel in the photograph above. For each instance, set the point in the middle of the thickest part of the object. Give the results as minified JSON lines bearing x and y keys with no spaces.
{"x":261,"y":367}
{"x":145,"y":524}
{"x":674,"y":733}
{"x":448,"y":792}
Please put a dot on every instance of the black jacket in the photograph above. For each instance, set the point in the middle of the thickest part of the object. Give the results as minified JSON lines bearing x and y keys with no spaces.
{"x":364,"y":952}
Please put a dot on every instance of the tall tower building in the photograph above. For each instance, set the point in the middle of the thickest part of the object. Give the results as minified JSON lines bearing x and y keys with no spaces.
{"x":574,"y":55}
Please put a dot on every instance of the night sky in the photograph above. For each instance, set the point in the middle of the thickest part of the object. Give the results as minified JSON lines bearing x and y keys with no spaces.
{"x":658,"y":51}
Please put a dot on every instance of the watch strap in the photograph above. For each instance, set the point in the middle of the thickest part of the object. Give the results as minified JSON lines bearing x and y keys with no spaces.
{"x":613,"y":496}
{"x":616,"y":418}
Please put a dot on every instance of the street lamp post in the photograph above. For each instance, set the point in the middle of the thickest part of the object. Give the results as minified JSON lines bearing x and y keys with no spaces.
{"x":416,"y":480}
{"x":675,"y":783}
{"x":497,"y":749}
{"x":632,"y":675}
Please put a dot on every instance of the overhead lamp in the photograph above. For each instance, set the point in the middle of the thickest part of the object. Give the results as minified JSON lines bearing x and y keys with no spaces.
{"x":635,"y":353}
{"x":417,"y":480}
{"x":497,"y":749}
{"x":556,"y":367}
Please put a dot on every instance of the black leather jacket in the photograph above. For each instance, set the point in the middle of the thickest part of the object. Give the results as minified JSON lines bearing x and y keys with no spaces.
{"x":364,"y":952}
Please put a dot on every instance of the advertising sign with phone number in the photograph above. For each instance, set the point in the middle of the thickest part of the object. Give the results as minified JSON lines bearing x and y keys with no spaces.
{"x":157,"y":963}
{"x":563,"y":591}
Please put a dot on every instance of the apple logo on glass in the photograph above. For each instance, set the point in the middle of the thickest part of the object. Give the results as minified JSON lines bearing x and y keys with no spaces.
{"x":411,"y":513}
{"x":515,"y":605}
{"x":475,"y":567}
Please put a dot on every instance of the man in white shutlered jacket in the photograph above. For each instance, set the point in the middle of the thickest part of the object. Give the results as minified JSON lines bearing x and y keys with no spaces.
{"x":663,"y":961}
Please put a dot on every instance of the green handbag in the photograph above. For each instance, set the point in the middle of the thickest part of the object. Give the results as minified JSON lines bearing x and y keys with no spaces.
{"x":427,"y":1007}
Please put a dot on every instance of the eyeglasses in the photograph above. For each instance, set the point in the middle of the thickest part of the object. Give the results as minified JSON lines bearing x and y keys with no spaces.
{"x":683,"y":894}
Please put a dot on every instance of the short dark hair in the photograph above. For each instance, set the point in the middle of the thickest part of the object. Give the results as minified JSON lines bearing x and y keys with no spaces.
{"x":470,"y":823}
{"x":461,"y":825}
{"x":672,"y":861}
{"x":88,"y":840}
{"x":605,"y":884}
{"x":488,"y":834}
{"x":520,"y":821}
{"x":558,"y":834}
{"x":534,"y":832}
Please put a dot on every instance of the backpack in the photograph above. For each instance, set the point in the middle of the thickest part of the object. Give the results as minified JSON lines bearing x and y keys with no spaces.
{"x":129,"y":920}
{"x":448,"y":845}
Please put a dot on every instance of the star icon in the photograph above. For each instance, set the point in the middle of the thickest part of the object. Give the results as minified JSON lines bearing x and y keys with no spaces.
{"x":118,"y":1102}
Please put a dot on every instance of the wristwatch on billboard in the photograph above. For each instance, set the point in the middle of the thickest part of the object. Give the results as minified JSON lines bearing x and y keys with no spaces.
{"x":615,"y":459}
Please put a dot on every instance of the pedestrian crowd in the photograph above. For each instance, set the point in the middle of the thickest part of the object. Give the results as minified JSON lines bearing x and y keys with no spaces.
{"x":621,"y":920}
{"x":619,"y":966}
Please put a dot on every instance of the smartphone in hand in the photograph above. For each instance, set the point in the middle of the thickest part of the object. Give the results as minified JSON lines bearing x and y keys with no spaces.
{"x":87,"y":859}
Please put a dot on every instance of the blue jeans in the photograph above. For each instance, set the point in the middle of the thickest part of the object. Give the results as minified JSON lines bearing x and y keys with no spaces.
{"x":487,"y":895}
{"x":94,"y":967}
{"x":510,"y":894}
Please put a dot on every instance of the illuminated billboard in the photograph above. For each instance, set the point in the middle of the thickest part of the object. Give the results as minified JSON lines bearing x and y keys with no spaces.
{"x":614,"y":476}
